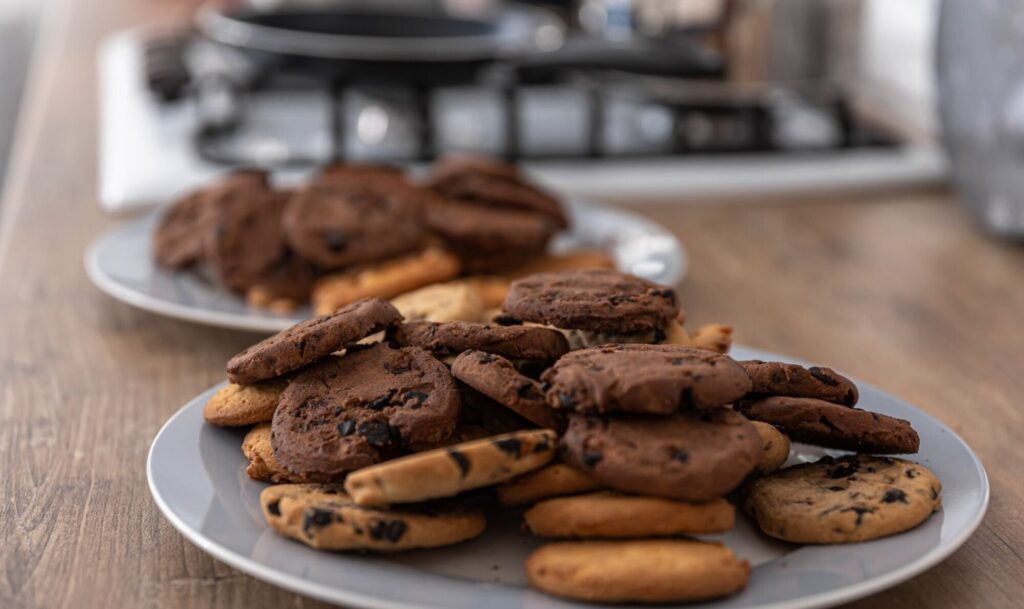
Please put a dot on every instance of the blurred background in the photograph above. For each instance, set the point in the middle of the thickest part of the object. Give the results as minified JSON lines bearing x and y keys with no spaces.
{"x":626,"y":99}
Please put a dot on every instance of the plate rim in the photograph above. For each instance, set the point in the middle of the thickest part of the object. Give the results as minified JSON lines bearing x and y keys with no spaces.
{"x":335,"y":596}
{"x":267,"y":323}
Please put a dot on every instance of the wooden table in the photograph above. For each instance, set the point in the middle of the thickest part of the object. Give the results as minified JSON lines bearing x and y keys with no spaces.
{"x":895,"y":288}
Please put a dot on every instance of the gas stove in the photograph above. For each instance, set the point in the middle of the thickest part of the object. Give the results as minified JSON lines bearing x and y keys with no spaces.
{"x":618,"y":120}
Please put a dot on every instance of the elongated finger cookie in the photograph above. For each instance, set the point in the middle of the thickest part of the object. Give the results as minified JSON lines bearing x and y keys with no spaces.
{"x":826,"y":424}
{"x":446,"y":472}
{"x":843,"y":500}
{"x":234,"y":405}
{"x":553,"y":480}
{"x":613,"y":515}
{"x":646,"y":571}
{"x":779,"y":378}
{"x":323,"y":517}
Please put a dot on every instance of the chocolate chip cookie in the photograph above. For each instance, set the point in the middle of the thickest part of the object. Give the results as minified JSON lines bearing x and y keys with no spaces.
{"x":179,"y":238}
{"x":654,"y":379}
{"x":375,"y":402}
{"x":446,"y":472}
{"x":612,"y":515}
{"x":645,"y":571}
{"x":341,"y":222}
{"x":234,"y":405}
{"x":310,"y":340}
{"x":452,"y":338}
{"x":778,"y":378}
{"x":323,"y":517}
{"x":246,"y":243}
{"x":692,"y":457}
{"x":599,"y":300}
{"x":826,"y":424}
{"x":498,"y":379}
{"x":488,"y":182}
{"x":844,"y":500}
{"x":488,"y":239}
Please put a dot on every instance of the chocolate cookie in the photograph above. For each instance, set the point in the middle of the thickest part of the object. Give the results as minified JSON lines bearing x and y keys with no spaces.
{"x":654,"y":379}
{"x":496,"y":377}
{"x":246,"y":244}
{"x":446,"y":472}
{"x":179,"y":239}
{"x":600,"y":300}
{"x":693,"y":457}
{"x":844,"y":500}
{"x":778,"y":378}
{"x":826,"y":424}
{"x":342,"y":222}
{"x":637,"y":570}
{"x":348,"y":412}
{"x":324,"y":517}
{"x":490,"y":191}
{"x":488,"y":239}
{"x":310,"y":340}
{"x":452,"y":338}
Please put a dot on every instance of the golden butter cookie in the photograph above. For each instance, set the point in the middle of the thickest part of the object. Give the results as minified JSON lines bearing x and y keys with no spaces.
{"x":608,"y":514}
{"x":646,"y":571}
{"x":323,"y":517}
{"x":713,"y":337}
{"x":774,"y":447}
{"x":384,"y":279}
{"x":234,"y":405}
{"x":843,"y":500}
{"x":442,"y":302}
{"x":446,"y":472}
{"x":262,"y":465}
{"x":552,"y":480}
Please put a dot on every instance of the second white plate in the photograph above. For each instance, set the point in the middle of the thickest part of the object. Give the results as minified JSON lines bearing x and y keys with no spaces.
{"x":121,"y":264}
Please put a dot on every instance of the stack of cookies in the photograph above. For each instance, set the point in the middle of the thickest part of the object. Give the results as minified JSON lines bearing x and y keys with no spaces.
{"x":359,"y":231}
{"x":587,"y":405}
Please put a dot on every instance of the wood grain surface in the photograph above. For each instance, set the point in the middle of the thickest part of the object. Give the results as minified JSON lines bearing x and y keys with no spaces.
{"x":895,"y":288}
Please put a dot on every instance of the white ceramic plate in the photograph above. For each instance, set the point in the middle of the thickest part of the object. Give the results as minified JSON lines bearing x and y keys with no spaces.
{"x":197,"y":476}
{"x":120,"y":264}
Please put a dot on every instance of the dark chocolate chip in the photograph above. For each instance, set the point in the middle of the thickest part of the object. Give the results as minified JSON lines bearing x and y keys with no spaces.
{"x":591,"y":458}
{"x":680,"y":455}
{"x":911,"y":473}
{"x":843,"y":471}
{"x":893,"y":495}
{"x":314,"y":517}
{"x":345,"y":428}
{"x":565,"y":401}
{"x":335,"y":241}
{"x":274,"y":507}
{"x":377,"y":433}
{"x":822,"y":377}
{"x":512,"y":446}
{"x":381,"y":402}
{"x":417,"y":397}
{"x":860,"y":511}
{"x":836,"y":488}
{"x":391,"y":530}
{"x":460,"y":460}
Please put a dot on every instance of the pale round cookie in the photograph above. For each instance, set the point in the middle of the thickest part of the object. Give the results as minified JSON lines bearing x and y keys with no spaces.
{"x":613,"y":515}
{"x":324,"y":517}
{"x":645,"y":571}
{"x":774,"y":448}
{"x":442,"y":302}
{"x":843,"y":500}
{"x":445,"y":472}
{"x":235,"y":405}
{"x":262,"y":465}
{"x":552,"y":480}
